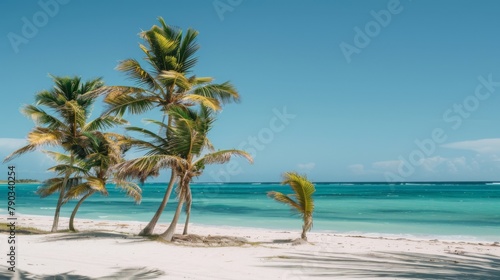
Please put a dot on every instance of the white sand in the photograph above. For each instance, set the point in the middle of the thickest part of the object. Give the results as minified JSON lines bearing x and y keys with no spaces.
{"x":111,"y":249}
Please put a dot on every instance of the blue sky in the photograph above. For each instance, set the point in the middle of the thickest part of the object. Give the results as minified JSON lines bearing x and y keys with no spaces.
{"x":339,"y":90}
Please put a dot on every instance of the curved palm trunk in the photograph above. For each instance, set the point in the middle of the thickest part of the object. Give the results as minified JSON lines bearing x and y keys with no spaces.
{"x":169,"y":233}
{"x":55,"y":223}
{"x":148,"y":230}
{"x":62,"y":192}
{"x":308,"y":220}
{"x":73,"y":214}
{"x":188,"y":212}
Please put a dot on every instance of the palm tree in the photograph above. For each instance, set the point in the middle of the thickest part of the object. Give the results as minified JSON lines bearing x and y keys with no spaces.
{"x":66,"y":164}
{"x":165,"y":84}
{"x":301,"y":200}
{"x":69,"y":105}
{"x":184,"y":150}
{"x":106,"y":151}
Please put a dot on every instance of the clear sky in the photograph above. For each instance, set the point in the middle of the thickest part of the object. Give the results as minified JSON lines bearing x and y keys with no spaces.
{"x":339,"y":90}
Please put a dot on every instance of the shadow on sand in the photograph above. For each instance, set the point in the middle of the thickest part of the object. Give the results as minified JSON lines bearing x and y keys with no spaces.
{"x":125,"y":273}
{"x":92,"y":235}
{"x":388,"y":265}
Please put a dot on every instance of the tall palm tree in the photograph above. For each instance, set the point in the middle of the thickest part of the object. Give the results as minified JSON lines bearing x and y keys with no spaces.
{"x":165,"y":84}
{"x":300,"y":201}
{"x":60,"y":117}
{"x":187,"y":150}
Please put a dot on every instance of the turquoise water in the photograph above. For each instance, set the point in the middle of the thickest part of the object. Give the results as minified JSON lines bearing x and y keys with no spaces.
{"x":466,"y":211}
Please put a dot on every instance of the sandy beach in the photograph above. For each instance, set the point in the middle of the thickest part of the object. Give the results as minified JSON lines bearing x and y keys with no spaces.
{"x":112,"y":250}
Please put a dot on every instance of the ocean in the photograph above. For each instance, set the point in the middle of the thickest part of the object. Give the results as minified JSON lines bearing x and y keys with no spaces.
{"x":456,"y":211}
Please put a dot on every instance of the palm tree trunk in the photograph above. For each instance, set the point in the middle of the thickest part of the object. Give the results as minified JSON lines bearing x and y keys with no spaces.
{"x":188,"y":212}
{"x":308,"y":220}
{"x":169,"y":233}
{"x":148,"y":230}
{"x":62,"y":191}
{"x":73,"y":214}
{"x":55,"y":223}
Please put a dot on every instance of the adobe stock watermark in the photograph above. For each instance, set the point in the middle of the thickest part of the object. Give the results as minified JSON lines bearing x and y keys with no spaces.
{"x":363,"y":36}
{"x":31,"y":25}
{"x":255,"y":144}
{"x":223,"y":6}
{"x":454,"y":117}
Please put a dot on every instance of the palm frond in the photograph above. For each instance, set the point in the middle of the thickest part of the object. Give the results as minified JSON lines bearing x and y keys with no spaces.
{"x":54,"y":185}
{"x":147,"y":133}
{"x":90,"y":90}
{"x":138,"y":104}
{"x":50,"y":99}
{"x":134,"y":71}
{"x":161,"y":42}
{"x":197,"y":81}
{"x":41,"y":136}
{"x":97,"y":184}
{"x":285,"y":199}
{"x":20,"y":151}
{"x":144,"y":145}
{"x":160,"y":48}
{"x":174,"y":78}
{"x":223,"y":156}
{"x":113,"y":92}
{"x":186,"y":51}
{"x":77,"y":191}
{"x":67,"y":164}
{"x":224,"y":93}
{"x":74,"y":114}
{"x":104,"y":122}
{"x":208,"y":102}
{"x":62,"y":169}
{"x":303,"y":190}
{"x":131,"y":189}
{"x":59,"y":157}
{"x":147,"y":166}
{"x":42,"y":118}
{"x":169,"y":31}
{"x":50,"y":187}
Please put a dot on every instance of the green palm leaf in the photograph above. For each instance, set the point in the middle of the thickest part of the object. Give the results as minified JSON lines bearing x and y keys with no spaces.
{"x":54,"y":185}
{"x":303,"y":203}
{"x":187,"y":50}
{"x":77,"y":191}
{"x":131,"y":189}
{"x":224,"y":156}
{"x":285,"y":199}
{"x":303,"y":190}
{"x":175,"y":78}
{"x":224,"y":92}
{"x":104,"y":122}
{"x":146,"y":166}
{"x":134,"y":71}
{"x":133,"y":104}
{"x":40,"y":117}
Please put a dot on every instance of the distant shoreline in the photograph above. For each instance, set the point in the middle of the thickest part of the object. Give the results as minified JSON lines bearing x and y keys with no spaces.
{"x":21,"y":182}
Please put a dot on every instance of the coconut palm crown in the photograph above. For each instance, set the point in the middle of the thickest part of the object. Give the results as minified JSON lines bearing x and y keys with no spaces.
{"x":167,"y":81}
